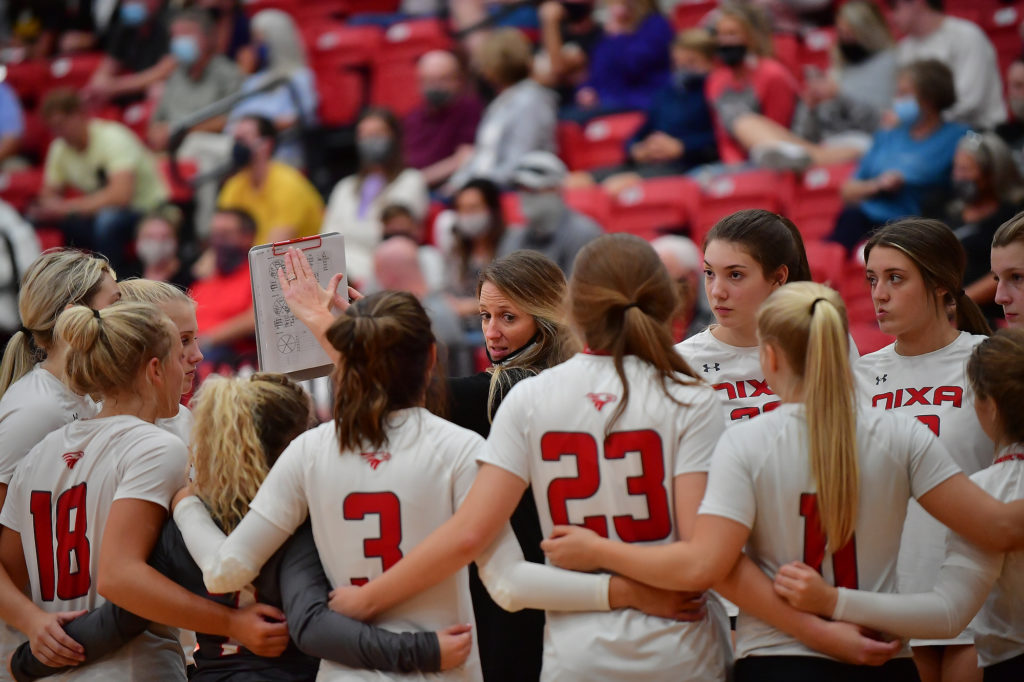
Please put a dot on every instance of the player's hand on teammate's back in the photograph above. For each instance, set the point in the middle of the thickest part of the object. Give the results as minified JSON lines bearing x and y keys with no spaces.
{"x":348,"y":601}
{"x":456,"y":643}
{"x":572,"y":547}
{"x":805,"y":589}
{"x":853,"y":644}
{"x":50,"y":644}
{"x":261,"y":629}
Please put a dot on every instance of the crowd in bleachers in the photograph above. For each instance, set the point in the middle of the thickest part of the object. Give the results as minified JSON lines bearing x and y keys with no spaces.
{"x":173,"y":136}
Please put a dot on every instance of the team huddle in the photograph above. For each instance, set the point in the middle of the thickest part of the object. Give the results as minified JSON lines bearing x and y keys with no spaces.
{"x":850,"y":515}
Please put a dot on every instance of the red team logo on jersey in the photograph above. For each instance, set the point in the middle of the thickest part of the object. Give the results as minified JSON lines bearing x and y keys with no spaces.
{"x":71,"y":458}
{"x":601,"y":399}
{"x":375,"y":459}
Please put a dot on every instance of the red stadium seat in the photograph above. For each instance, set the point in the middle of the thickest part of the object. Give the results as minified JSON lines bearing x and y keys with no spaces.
{"x":334,"y":45}
{"x":27,"y":78}
{"x":646,"y":210}
{"x":73,"y":71}
{"x":393,"y":85}
{"x":869,"y":337}
{"x":49,"y":238}
{"x":591,"y":201}
{"x":827,"y":260}
{"x":727,"y":194}
{"x":37,"y":137}
{"x":341,"y":94}
{"x":20,"y":188}
{"x":1001,"y":24}
{"x":510,"y":209}
{"x":136,"y":116}
{"x":814,"y":201}
{"x":412,"y":39}
{"x":601,"y":142}
{"x":180,"y":191}
{"x":787,"y":51}
{"x":816,"y":50}
{"x":690,"y":13}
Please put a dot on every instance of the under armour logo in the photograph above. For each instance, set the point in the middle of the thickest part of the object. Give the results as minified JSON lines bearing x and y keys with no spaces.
{"x":881,"y":379}
{"x":601,"y":399}
{"x":71,"y":458}
{"x":375,"y":459}
{"x":707,"y":367}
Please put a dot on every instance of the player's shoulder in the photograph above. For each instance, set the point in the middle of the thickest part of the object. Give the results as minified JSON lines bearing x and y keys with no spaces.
{"x":699,"y":342}
{"x":447,"y":431}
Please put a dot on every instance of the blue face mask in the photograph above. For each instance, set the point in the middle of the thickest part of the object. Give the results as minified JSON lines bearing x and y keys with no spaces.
{"x":262,"y":56}
{"x":133,"y":13}
{"x":906,"y":109}
{"x":185,"y":49}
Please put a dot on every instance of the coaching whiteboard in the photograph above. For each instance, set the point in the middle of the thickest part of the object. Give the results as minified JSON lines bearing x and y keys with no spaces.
{"x":285,"y":344}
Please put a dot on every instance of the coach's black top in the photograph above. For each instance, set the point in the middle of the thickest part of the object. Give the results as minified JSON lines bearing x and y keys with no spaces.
{"x":511,"y":644}
{"x":292,"y":579}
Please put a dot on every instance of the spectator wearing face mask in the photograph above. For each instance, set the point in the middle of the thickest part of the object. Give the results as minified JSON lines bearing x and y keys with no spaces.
{"x":439,"y":132}
{"x":747,"y":80}
{"x":355,"y":205}
{"x":909,"y":165}
{"x":279,"y":54}
{"x":201,"y":78}
{"x":1012,"y":131}
{"x":157,"y":248}
{"x":279,"y":198}
{"x":551,"y":227}
{"x":137,"y":53}
{"x":224,"y":310}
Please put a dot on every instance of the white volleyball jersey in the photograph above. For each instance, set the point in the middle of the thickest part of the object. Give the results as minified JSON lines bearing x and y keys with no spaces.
{"x":550,"y":432}
{"x":999,"y":626}
{"x":735,"y":372}
{"x":32,"y":407}
{"x":368,"y":509}
{"x":59,"y":500}
{"x":180,"y":424}
{"x":761,"y":478}
{"x":932,"y":387}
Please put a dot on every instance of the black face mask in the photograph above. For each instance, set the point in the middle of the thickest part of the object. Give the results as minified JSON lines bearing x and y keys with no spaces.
{"x":853,"y":52}
{"x":966,"y":190}
{"x":732,"y":55}
{"x":241,"y":155}
{"x":517,"y":351}
{"x":575,"y":12}
{"x":229,"y":257}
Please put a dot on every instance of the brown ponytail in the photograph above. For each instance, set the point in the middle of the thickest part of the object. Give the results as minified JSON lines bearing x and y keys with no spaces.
{"x":941,"y":260}
{"x":623,"y":300}
{"x":385,"y":345}
{"x":996,"y":370}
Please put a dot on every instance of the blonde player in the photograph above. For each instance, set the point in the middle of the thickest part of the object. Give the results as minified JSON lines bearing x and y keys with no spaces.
{"x":177,"y":305}
{"x":88,"y":502}
{"x":35,"y":399}
{"x":915,"y":268}
{"x":1008,"y":268}
{"x":816,"y":478}
{"x":618,"y":439}
{"x":968,"y":574}
{"x":376,"y":481}
{"x":747,"y":256}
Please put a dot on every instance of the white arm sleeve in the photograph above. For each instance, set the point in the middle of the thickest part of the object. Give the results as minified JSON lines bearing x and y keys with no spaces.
{"x":515,"y":583}
{"x":231,"y":563}
{"x":963,"y":584}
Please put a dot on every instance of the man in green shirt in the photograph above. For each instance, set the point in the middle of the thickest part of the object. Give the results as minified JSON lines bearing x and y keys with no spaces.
{"x":114,"y":174}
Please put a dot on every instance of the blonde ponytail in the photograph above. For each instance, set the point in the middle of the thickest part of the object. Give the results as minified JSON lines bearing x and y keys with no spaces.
{"x":807,"y":322}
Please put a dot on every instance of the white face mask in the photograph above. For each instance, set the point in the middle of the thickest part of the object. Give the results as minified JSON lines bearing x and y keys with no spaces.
{"x":542,"y":211}
{"x":473,"y":225}
{"x":154,"y":251}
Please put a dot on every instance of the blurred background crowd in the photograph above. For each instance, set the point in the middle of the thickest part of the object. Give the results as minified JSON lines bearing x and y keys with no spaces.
{"x":437,"y":136}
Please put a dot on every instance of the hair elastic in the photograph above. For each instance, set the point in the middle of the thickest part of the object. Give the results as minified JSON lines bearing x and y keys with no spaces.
{"x":816,"y":302}
{"x":630,"y":305}
{"x":26,"y":331}
{"x":96,"y":314}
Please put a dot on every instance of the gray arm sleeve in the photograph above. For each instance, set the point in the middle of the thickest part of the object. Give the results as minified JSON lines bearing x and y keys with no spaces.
{"x":322,"y":633}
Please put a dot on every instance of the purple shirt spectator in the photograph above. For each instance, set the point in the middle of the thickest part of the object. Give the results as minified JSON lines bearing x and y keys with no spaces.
{"x":432,"y":135}
{"x":627,"y":69}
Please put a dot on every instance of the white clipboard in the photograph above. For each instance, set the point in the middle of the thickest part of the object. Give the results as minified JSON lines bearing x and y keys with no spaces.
{"x":284,"y":344}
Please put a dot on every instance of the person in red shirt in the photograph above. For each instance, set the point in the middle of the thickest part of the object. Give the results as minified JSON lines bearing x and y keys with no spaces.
{"x":224,"y":310}
{"x":746,"y":78}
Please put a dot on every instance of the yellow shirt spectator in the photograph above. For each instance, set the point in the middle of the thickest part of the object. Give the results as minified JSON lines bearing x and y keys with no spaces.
{"x":112,"y":148}
{"x":286,"y":206}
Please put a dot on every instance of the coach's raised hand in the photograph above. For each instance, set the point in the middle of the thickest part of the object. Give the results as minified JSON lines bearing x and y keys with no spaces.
{"x":261,"y":629}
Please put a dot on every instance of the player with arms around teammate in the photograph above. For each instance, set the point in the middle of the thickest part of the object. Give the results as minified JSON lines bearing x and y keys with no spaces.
{"x":969,"y":574}
{"x":242,"y":426}
{"x":620,"y":439}
{"x":816,"y":478}
{"x":381,"y":477}
{"x":915,"y":268}
{"x":87,"y":504}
